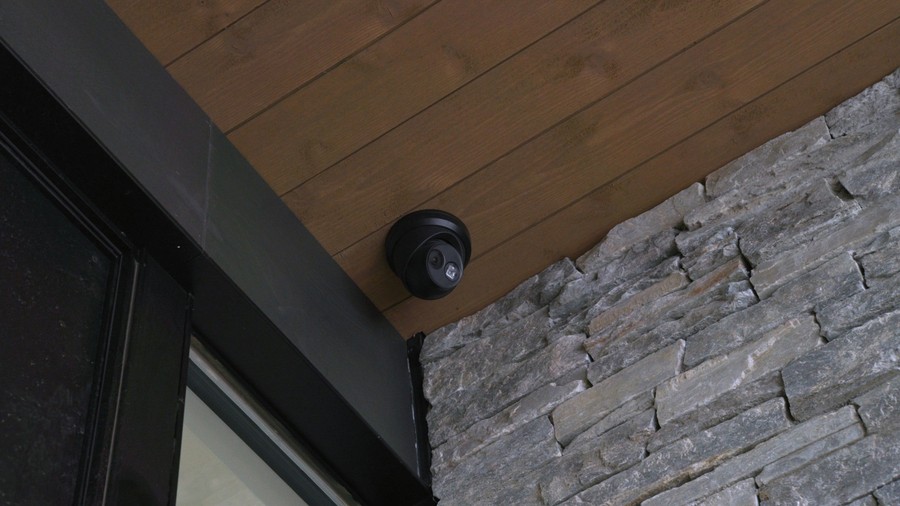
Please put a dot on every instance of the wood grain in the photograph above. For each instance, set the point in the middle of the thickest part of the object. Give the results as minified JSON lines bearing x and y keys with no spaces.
{"x":279,"y":47}
{"x":625,"y":129}
{"x":752,"y":56}
{"x":170,"y":28}
{"x":365,"y":263}
{"x":504,"y":113}
{"x":587,"y":59}
{"x":574,"y":229}
{"x":397,"y":77}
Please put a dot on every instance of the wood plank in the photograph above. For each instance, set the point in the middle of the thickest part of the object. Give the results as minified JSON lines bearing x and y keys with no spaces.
{"x":594,"y":147}
{"x":279,"y":47}
{"x":397,"y":77}
{"x":575,"y":229}
{"x":170,"y":28}
{"x":365,"y":263}
{"x":587,"y":59}
{"x":759,"y":52}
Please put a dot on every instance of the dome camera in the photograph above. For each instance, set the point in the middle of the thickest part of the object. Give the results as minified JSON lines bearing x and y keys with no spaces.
{"x":429,"y":250}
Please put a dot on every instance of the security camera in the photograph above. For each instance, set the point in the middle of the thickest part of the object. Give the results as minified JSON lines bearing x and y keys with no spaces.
{"x":429,"y":250}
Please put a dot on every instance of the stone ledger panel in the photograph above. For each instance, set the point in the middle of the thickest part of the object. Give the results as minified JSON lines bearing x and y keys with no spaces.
{"x":739,"y":344}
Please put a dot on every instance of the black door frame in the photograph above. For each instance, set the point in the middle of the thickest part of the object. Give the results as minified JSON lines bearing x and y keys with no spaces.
{"x":380,"y":461}
{"x":134,"y":416}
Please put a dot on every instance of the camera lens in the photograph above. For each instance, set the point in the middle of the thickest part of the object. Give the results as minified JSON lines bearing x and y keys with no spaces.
{"x":435,"y":258}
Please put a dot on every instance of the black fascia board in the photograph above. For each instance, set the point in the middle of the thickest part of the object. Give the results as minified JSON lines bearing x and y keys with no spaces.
{"x":305,"y":346}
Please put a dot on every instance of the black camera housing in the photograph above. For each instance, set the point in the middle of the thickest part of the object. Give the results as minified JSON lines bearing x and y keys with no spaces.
{"x":428,"y":250}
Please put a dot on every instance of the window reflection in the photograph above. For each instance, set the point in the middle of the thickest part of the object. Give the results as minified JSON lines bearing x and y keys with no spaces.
{"x":218,"y":468}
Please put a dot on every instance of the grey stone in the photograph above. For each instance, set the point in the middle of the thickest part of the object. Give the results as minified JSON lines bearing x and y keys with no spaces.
{"x":747,"y":464}
{"x":734,"y":330}
{"x":839,"y":316}
{"x":602,"y":301}
{"x":473,"y":363}
{"x":878,"y":177}
{"x":577,"y":374}
{"x":613,"y":270}
{"x":736,"y":207}
{"x":857,"y":148}
{"x":883,"y":263}
{"x":578,"y":469}
{"x":837,"y":279}
{"x":588,"y":292}
{"x":787,"y":213}
{"x":710,"y":380}
{"x":635,"y":303}
{"x":773,"y":233}
{"x":518,"y":489}
{"x":810,"y":453}
{"x":452,"y":417}
{"x":446,"y":340}
{"x":625,"y":445}
{"x":628,"y":349}
{"x":525,"y":449}
{"x":662,"y":218}
{"x":742,"y":493}
{"x":831,"y":375}
{"x":587,"y":408}
{"x":521,"y":492}
{"x":463,"y":408}
{"x":615,"y":418}
{"x":519,"y":303}
{"x":864,"y":501}
{"x":848,"y":473}
{"x":575,"y":295}
{"x":690,"y":456}
{"x":705,"y":257}
{"x":711,"y":288}
{"x":881,"y":99}
{"x":889,"y":494}
{"x":880,"y":407}
{"x":573,"y":473}
{"x":551,"y":280}
{"x":536,"y":404}
{"x":726,"y":406}
{"x":738,"y":173}
{"x":697,"y":240}
{"x":893,"y":79}
{"x":727,"y":210}
{"x":782,"y":184}
{"x":770,"y":275}
{"x":700,"y":245}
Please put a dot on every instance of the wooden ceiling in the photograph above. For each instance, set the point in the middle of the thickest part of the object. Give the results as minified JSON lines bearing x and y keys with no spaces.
{"x":541,"y":123}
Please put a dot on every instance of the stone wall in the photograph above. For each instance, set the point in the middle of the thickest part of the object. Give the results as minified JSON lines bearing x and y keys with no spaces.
{"x":738,"y":344}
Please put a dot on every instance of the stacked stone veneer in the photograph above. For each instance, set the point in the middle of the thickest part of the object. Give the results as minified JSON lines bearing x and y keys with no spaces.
{"x":738,"y":344}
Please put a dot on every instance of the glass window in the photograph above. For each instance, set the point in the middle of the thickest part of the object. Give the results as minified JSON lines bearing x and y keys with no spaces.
{"x":218,"y":468}
{"x":233,"y":453}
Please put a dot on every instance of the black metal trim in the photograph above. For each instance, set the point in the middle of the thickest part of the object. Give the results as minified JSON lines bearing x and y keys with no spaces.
{"x":137,"y":345}
{"x":249,"y":342}
{"x":277,"y":374}
{"x":420,"y":405}
{"x":121,"y":285}
{"x":43,"y":125}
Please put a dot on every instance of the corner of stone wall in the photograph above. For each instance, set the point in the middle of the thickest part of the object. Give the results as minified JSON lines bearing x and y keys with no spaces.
{"x":737,"y":344}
